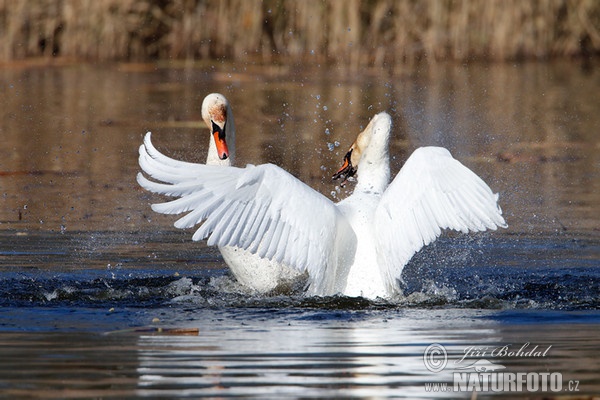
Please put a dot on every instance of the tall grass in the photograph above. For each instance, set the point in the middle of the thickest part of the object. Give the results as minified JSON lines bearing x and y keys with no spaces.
{"x":350,"y":32}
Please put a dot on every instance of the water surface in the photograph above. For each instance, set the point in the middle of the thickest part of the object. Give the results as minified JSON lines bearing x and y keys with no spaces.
{"x":99,"y":297}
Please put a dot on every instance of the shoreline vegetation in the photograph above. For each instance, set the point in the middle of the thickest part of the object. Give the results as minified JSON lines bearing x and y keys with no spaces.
{"x":353,"y":33}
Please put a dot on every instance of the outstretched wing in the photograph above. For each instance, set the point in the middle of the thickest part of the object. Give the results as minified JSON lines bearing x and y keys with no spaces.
{"x":262,"y":209}
{"x":432,"y":191}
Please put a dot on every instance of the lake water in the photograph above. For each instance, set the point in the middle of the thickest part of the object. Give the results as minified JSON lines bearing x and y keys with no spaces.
{"x":101,"y":298}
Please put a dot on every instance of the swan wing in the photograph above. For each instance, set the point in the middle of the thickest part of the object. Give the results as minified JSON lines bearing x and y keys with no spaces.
{"x":163,"y":160}
{"x":432,"y":191}
{"x":262,"y":209}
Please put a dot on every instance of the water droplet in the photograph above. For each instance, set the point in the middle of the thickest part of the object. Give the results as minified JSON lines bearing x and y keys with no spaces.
{"x":324,"y":108}
{"x":336,"y":143}
{"x":318,"y":97}
{"x":327,"y":131}
{"x":330,"y":146}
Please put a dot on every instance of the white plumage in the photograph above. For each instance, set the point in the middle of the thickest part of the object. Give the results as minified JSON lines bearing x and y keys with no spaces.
{"x":251,"y":270}
{"x":357,"y":247}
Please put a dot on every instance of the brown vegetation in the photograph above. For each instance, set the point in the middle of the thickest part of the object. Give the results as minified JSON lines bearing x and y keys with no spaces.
{"x":351,"y":32}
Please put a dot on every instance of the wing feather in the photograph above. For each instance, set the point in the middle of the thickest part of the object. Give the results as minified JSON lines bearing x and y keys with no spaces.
{"x":432,"y":192}
{"x":262,"y":209}
{"x":236,"y":233}
{"x":161,"y":159}
{"x":260,"y":233}
{"x":250,"y":229}
{"x":182,"y":204}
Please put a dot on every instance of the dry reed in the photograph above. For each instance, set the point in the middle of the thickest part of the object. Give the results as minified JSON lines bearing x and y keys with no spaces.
{"x":350,"y":32}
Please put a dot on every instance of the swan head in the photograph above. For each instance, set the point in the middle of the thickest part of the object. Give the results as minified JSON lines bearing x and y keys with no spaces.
{"x":370,"y":147}
{"x":215,"y":113}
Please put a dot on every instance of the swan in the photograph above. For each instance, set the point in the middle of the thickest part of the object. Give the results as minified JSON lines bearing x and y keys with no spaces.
{"x":356,"y":247}
{"x":256,"y":273}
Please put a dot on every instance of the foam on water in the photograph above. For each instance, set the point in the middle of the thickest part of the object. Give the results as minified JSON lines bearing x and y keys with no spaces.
{"x":496,"y":273}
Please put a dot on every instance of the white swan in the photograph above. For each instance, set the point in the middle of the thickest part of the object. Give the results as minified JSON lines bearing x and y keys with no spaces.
{"x":257,"y":273}
{"x":357,"y":247}
{"x":218,"y":117}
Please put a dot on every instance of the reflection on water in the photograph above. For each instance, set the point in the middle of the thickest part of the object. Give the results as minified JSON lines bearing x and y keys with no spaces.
{"x":346,"y":354}
{"x":88,"y":274}
{"x":349,"y":355}
{"x":291,"y":353}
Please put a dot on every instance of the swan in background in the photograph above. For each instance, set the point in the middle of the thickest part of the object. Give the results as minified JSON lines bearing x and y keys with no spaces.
{"x":357,"y":247}
{"x":257,"y":273}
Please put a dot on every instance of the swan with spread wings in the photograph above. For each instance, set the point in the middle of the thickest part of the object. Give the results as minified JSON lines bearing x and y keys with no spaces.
{"x":356,"y":247}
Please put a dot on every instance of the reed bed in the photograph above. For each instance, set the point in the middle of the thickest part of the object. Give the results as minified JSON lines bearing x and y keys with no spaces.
{"x":351,"y":32}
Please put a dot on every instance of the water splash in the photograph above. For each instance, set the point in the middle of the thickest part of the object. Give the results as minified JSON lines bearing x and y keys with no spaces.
{"x":459,"y":271}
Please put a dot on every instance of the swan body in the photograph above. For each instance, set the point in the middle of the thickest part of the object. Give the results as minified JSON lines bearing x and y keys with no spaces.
{"x":357,"y":247}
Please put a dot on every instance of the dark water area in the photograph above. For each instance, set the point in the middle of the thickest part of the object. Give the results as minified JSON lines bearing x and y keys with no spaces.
{"x":149,"y":270}
{"x":101,"y":298}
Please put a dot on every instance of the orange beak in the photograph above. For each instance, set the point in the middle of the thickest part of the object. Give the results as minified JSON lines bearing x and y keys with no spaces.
{"x":222,"y":149}
{"x":347,"y":169}
{"x":343,"y":169}
{"x":219,"y":135}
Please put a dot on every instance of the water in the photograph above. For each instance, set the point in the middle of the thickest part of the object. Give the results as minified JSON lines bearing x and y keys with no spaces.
{"x":99,"y":297}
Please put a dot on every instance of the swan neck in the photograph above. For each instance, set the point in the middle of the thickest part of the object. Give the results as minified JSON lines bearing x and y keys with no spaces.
{"x":374,"y":164}
{"x":374,"y":167}
{"x":374,"y":180}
